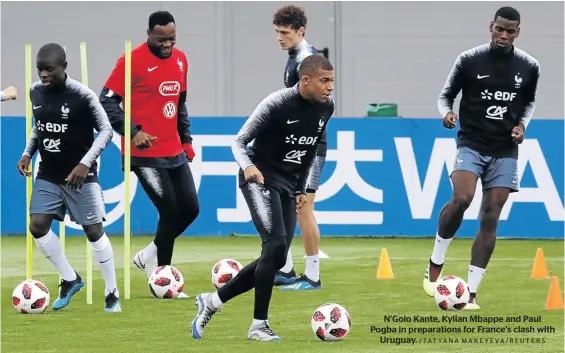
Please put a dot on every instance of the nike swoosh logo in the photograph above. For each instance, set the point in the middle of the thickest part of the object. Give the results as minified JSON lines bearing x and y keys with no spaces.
{"x":149,"y":69}
{"x":36,"y":107}
{"x":291,"y":122}
{"x":481,"y":77}
{"x":105,"y":261}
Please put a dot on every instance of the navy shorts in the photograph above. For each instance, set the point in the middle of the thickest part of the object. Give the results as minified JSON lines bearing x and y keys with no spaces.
{"x":493,"y":172}
{"x":313,"y":180}
{"x":85,"y":205}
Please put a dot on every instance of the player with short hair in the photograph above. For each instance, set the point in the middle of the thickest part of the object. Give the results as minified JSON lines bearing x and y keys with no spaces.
{"x":499,"y":84}
{"x":290,"y":24}
{"x":286,"y":128}
{"x":65,"y":114}
{"x":161,"y":142}
{"x":10,"y":93}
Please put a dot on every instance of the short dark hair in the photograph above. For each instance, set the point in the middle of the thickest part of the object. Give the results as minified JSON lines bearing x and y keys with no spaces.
{"x":53,"y":49}
{"x":313,"y":63}
{"x":160,"y":18}
{"x":290,"y":15}
{"x":508,"y":13}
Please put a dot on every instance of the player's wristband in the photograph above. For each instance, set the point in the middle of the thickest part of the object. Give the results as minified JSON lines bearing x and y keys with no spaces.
{"x":187,"y":147}
{"x":2,"y":96}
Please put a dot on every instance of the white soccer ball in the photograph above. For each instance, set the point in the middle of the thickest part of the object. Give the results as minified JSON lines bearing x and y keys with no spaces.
{"x":30,"y":297}
{"x":224,"y":271}
{"x":166,"y":282}
{"x":331,"y":322}
{"x":451,"y":293}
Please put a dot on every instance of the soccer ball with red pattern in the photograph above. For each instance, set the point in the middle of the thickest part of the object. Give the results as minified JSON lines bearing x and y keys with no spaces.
{"x":331,"y":322}
{"x":166,"y":282}
{"x":451,"y":293}
{"x":223,"y":272}
{"x":30,"y":297}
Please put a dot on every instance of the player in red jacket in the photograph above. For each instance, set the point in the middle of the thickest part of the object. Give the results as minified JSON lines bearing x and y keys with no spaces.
{"x":161,"y":142}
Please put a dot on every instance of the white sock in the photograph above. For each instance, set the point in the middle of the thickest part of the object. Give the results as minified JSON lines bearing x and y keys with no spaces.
{"x":215,"y":301}
{"x":288,"y":266}
{"x":150,"y":252}
{"x":475,"y":276}
{"x":258,"y":323}
{"x":440,"y":248}
{"x":51,"y":248}
{"x":104,"y":255}
{"x":313,"y":267}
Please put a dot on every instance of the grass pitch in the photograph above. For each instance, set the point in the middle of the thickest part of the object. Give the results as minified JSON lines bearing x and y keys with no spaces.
{"x":348,"y":278}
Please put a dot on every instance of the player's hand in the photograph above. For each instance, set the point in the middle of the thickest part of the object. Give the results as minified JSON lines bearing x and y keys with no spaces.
{"x":142,"y":140}
{"x":450,"y":120}
{"x":253,"y":175}
{"x":77,"y":177}
{"x":187,"y":147}
{"x":23,"y":166}
{"x":301,"y":200}
{"x":11,"y":93}
{"x":518,"y":134}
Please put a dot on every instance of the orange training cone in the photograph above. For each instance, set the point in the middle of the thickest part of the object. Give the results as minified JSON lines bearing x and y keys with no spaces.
{"x":384,"y":271}
{"x":539,"y":269}
{"x":555,"y":296}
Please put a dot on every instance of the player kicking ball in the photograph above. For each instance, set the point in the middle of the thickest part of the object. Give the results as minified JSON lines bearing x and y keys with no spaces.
{"x":161,"y":143}
{"x":272,"y":180}
{"x":290,"y":26}
{"x":66,"y":112}
{"x":499,"y":84}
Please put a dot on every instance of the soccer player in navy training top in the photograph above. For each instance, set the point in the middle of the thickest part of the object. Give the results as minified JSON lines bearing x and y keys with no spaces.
{"x":290,"y":24}
{"x":65,"y":114}
{"x":286,"y":128}
{"x":499,"y":84}
{"x":161,"y":141}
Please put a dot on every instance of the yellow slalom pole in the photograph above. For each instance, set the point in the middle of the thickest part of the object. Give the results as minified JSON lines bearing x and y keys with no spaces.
{"x":127,"y":169}
{"x":62,"y":229}
{"x":84,"y":74}
{"x":29,"y":180}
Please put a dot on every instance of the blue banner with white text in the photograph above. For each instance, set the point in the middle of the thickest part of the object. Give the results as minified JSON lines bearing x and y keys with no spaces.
{"x":383,"y":177}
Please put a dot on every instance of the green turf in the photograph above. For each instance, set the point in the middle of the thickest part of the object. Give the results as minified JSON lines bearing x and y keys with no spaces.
{"x":151,"y":325}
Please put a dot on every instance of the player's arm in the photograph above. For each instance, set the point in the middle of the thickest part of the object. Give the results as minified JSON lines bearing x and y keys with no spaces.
{"x":110,"y":102}
{"x":32,"y":145}
{"x":324,"y":138}
{"x":301,"y":189}
{"x":102,"y":125}
{"x":31,"y":148}
{"x":530,"y":92}
{"x":452,"y":87}
{"x":183,"y":127}
{"x":183,"y":124}
{"x":309,"y":163}
{"x":256,"y":122}
{"x":111,"y":97}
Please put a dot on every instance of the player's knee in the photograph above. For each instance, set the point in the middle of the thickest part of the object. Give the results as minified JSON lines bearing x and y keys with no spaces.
{"x":462,"y":201}
{"x":39,"y":227}
{"x":276,"y":250}
{"x":191,"y":210}
{"x":168,"y":209}
{"x":306,"y":214}
{"x":93,"y":232}
{"x":489,"y":219}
